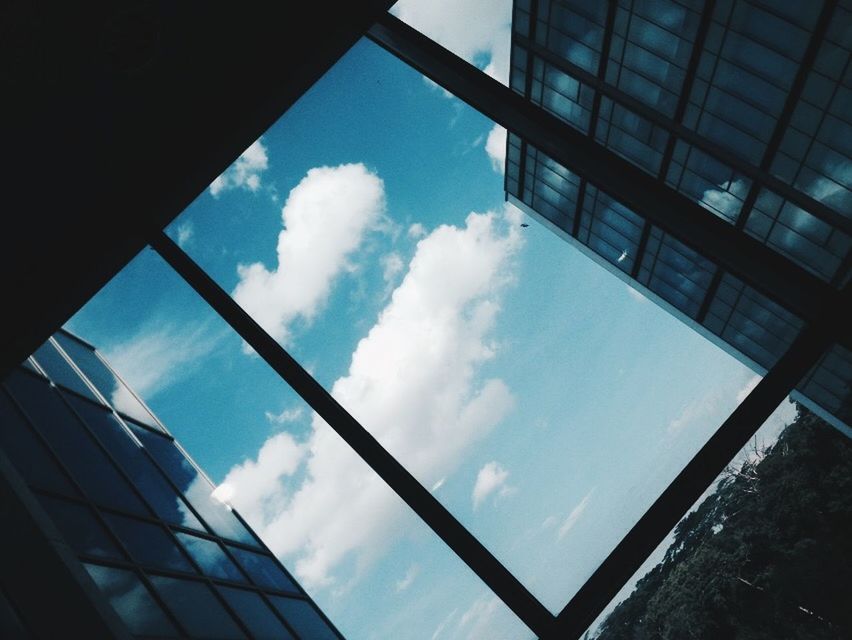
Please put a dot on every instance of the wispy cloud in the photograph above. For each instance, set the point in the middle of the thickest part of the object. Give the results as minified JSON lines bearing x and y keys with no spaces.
{"x":287,"y":415}
{"x":325,"y":218}
{"x":245,"y":173}
{"x":416,"y":231}
{"x":160,"y":354}
{"x":408,"y":578}
{"x":575,"y":515}
{"x":185,"y":231}
{"x":491,"y":478}
{"x":413,"y":380}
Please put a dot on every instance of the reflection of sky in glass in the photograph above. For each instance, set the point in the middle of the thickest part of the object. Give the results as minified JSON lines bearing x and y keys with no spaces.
{"x":131,"y":601}
{"x":197,"y":609}
{"x":210,"y":557}
{"x":257,"y":616}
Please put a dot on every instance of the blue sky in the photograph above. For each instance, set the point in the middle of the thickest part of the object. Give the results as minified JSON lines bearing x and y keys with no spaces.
{"x":544,"y":402}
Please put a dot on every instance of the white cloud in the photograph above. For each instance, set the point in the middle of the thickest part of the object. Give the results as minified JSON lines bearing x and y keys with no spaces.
{"x":495,"y":147}
{"x":256,"y":487}
{"x":748,"y":388}
{"x":184,"y":233}
{"x":325,"y":217}
{"x":416,"y":231}
{"x":413,"y":383}
{"x":392,"y":265}
{"x":156,"y":356}
{"x":408,"y":578}
{"x":472,"y":29}
{"x":245,"y":172}
{"x":575,"y":515}
{"x":491,"y":477}
{"x":437,"y":485}
{"x":488,"y":618}
{"x":286,"y":415}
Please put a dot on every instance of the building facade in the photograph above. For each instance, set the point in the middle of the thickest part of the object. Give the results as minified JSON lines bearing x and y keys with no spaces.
{"x":741,"y":107}
{"x":126,"y":515}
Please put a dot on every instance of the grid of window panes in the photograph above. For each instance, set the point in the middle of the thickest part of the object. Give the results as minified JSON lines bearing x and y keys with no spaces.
{"x":702,"y":96}
{"x":171,"y":559}
{"x":699,"y":95}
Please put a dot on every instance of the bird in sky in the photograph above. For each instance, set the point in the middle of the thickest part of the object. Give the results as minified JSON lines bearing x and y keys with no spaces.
{"x":524,"y":225}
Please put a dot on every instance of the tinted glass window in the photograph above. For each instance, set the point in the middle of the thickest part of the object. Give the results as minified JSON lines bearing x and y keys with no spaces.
{"x":196,"y":488}
{"x":58,"y":370}
{"x":77,"y":450}
{"x":263,"y":570}
{"x":197,"y":609}
{"x":255,"y":614}
{"x":131,"y":601}
{"x":210,"y":557}
{"x":80,"y":528}
{"x":105,"y":380}
{"x":27,"y":452}
{"x":143,"y":473}
{"x":304,"y":618}
{"x":149,"y":544}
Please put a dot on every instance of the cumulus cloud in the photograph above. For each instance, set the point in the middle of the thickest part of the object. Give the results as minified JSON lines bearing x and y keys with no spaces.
{"x":325,"y":218}
{"x":476,"y":30}
{"x":413,"y":382}
{"x":491,"y":477}
{"x":575,"y":515}
{"x":257,"y":486}
{"x":495,"y":147}
{"x":245,"y":173}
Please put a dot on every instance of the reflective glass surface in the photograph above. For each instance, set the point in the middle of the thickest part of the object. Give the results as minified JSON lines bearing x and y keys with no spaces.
{"x":60,"y":371}
{"x":210,"y":557}
{"x":197,"y":609}
{"x":133,"y":461}
{"x":195,"y":487}
{"x":27,"y":452}
{"x":132,"y":601}
{"x":80,"y":528}
{"x":78,"y":451}
{"x":148,"y":544}
{"x":304,"y":618}
{"x":115,"y":391}
{"x":256,"y":614}
{"x":263,"y":570}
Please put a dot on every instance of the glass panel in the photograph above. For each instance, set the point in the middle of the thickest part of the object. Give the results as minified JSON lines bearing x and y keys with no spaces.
{"x":196,"y":488}
{"x":80,"y":528}
{"x":131,"y":601}
{"x":196,"y":608}
{"x":263,"y":570}
{"x":78,"y":452}
{"x":113,"y":389}
{"x":27,"y":452}
{"x":304,"y":618}
{"x":57,"y":369}
{"x":149,"y":544}
{"x":210,"y":557}
{"x":761,"y":554}
{"x":256,"y":615}
{"x":132,"y":459}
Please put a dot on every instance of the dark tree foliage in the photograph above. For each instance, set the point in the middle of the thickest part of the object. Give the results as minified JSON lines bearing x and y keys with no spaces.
{"x":767,"y":556}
